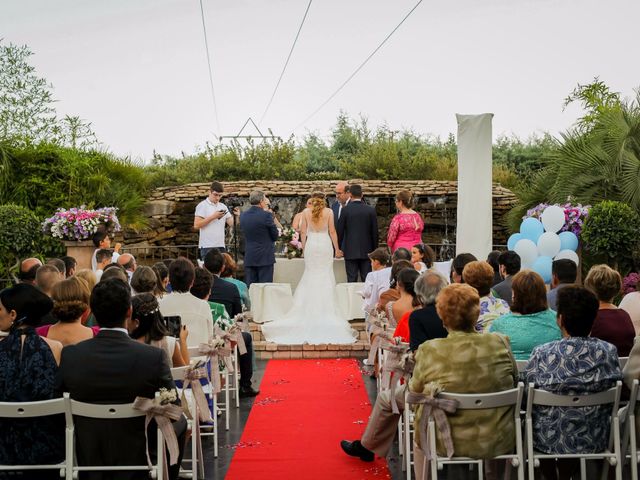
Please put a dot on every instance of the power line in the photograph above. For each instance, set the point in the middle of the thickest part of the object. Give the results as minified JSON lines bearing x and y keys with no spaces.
{"x":358,"y":69}
{"x":206,"y":46}
{"x":264,"y":114}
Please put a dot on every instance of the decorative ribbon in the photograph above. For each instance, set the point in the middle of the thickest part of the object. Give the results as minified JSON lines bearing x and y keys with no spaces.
{"x":392,"y":370}
{"x":192,"y":378}
{"x":380,"y":337}
{"x":436,"y":408}
{"x":213,"y":350}
{"x":235,"y":332}
{"x":243,"y":320}
{"x":163,"y":415}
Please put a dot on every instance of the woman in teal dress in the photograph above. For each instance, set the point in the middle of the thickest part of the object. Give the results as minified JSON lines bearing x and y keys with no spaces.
{"x":531,"y":322}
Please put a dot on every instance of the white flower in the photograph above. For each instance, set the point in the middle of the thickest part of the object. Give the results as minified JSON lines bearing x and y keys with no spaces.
{"x":167,"y":396}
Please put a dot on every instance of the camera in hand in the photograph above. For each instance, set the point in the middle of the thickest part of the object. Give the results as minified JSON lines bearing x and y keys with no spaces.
{"x":174,"y":325}
{"x":233,"y":202}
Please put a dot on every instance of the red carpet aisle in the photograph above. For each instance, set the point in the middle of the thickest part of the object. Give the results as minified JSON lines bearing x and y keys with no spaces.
{"x":295,"y":426}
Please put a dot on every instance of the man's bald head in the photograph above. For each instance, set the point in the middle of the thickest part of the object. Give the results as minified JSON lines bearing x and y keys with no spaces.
{"x":342,"y":192}
{"x":128,"y":261}
{"x":28,"y":269}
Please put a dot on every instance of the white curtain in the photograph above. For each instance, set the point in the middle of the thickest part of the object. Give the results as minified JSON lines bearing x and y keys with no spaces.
{"x":474,"y":226}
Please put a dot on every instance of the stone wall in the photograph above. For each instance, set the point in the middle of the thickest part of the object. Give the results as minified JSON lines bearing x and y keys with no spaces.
{"x":170,"y":209}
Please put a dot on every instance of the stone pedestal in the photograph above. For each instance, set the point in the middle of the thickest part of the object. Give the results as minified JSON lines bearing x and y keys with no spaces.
{"x":82,"y":251}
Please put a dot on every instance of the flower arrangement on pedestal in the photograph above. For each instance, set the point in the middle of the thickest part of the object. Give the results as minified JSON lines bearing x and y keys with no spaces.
{"x":292,"y":244}
{"x":77,"y":224}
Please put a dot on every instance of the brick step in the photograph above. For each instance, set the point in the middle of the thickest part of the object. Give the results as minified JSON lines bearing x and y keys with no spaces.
{"x":268,"y":350}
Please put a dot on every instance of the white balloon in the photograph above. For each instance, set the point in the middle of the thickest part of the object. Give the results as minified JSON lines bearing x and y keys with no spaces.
{"x":553,"y":218}
{"x":569,"y":254}
{"x":528,"y":252}
{"x":549,"y":244}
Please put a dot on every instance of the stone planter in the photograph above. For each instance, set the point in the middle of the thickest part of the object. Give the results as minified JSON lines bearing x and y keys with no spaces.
{"x":82,"y":251}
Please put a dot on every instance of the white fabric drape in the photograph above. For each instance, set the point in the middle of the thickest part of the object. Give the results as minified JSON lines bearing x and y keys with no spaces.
{"x":475,"y":226}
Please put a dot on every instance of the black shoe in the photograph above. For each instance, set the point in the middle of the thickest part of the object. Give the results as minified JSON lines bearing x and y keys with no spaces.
{"x":355,"y":449}
{"x":249,"y":391}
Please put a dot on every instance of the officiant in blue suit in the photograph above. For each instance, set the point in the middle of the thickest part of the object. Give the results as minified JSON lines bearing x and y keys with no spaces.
{"x":260,"y":233}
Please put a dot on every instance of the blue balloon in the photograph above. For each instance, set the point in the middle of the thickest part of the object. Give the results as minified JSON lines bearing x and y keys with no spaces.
{"x":513,"y":239}
{"x":542,"y":266}
{"x":568,"y":241}
{"x":531,"y":228}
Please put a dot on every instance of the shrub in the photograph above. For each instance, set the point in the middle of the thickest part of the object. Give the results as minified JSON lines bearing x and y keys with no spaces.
{"x":21,"y":237}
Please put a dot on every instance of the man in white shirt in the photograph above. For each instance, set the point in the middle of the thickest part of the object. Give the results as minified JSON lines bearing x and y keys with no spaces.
{"x":211,"y":216}
{"x":377,"y":280}
{"x":103,"y":258}
{"x":193,"y":312}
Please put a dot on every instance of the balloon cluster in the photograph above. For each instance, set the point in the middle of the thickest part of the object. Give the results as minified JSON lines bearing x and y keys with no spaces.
{"x":539,"y":244}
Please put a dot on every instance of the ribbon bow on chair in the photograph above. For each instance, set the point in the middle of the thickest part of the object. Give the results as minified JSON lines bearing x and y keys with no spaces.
{"x":243,"y":320}
{"x":192,"y":378}
{"x":163,"y":415}
{"x":235,"y":334}
{"x":215,"y":349}
{"x":393,"y":365}
{"x":382,"y":337}
{"x":434,"y":407}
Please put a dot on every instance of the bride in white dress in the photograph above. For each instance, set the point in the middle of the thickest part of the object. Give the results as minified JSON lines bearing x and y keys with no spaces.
{"x":314,"y":316}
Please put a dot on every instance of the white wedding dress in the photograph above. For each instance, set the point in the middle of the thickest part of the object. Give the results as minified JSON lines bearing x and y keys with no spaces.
{"x":314,"y":316}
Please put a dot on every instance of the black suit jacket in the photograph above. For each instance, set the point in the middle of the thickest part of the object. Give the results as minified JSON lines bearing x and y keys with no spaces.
{"x":357,"y":230}
{"x":227,"y":294}
{"x":260,"y":233}
{"x":112,"y":368}
{"x":425,"y":324}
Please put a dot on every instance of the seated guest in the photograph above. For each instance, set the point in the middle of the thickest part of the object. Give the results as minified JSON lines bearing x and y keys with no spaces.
{"x":563,"y":272}
{"x":128,"y":261}
{"x":530,"y":322}
{"x":631,"y":304}
{"x":103,"y":259}
{"x":113,"y":270}
{"x":114,"y":368}
{"x":60,"y":266}
{"x":612,"y":324}
{"x":194,"y":312}
{"x":222,"y":291}
{"x":407,"y":303}
{"x":88,"y":276}
{"x":377,"y":280}
{"x":28,"y":366}
{"x":577,"y":364}
{"x":422,"y":257}
{"x":70,"y":302}
{"x":228,"y":274}
{"x":70,"y":264}
{"x":509,"y":263}
{"x":458,"y":264}
{"x":162,"y":272}
{"x":392,"y":294}
{"x":486,"y":366}
{"x":146,"y":325}
{"x":424,"y":323}
{"x":28,"y":269}
{"x":46,"y":277}
{"x":480,"y":276}
{"x":492,"y":259}
{"x":144,"y":280}
{"x":201,"y":288}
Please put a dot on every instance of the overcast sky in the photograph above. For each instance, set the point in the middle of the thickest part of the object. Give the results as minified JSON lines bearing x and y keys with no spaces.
{"x":137,"y":69}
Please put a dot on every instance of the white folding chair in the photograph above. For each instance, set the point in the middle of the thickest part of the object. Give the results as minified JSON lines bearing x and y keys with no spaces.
{"x":207,"y":430}
{"x":197,"y":465}
{"x":544,"y":398}
{"x":112,"y":412}
{"x":622,"y":361}
{"x":480,"y":401}
{"x":629,"y":439}
{"x":43,"y":408}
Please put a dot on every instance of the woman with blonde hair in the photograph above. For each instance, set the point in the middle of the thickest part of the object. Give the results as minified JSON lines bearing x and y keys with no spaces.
{"x":315,"y":316}
{"x":406,"y":227}
{"x":612,"y":324}
{"x":70,"y":302}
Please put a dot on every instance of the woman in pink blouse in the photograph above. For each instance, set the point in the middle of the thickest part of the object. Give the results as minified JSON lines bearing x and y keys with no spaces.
{"x":406,"y":227}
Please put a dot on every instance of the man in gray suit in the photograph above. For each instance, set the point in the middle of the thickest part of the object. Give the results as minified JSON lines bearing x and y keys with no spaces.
{"x":509,"y":263}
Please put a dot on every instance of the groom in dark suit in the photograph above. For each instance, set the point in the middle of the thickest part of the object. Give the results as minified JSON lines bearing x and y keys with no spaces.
{"x":114,"y":368}
{"x":260,"y":233}
{"x":357,"y":235}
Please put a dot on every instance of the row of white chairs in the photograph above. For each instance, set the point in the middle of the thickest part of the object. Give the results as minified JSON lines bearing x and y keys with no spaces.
{"x":622,"y":444}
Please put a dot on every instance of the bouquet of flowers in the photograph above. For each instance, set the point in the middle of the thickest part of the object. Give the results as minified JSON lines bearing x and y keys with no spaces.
{"x":574,"y":215}
{"x":629,"y":283}
{"x":292,"y":243}
{"x":80,"y":223}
